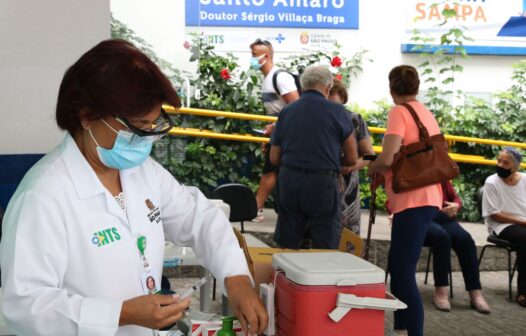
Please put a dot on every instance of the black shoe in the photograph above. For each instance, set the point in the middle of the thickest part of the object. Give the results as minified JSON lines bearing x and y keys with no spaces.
{"x":521,"y":300}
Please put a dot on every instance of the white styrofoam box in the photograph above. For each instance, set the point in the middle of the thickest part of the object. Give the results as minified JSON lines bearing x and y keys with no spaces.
{"x":328,"y":268}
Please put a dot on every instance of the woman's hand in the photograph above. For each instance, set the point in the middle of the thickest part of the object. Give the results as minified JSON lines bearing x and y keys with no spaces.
{"x":346,"y":170}
{"x":372,"y":170}
{"x":451,"y":209}
{"x":390,"y":146}
{"x":246,"y":305}
{"x":153,"y":311}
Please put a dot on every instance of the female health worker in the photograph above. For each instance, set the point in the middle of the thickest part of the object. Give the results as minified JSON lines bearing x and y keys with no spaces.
{"x":87,"y":225}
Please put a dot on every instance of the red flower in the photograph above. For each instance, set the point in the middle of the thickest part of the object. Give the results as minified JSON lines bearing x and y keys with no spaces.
{"x":187,"y":45}
{"x":224,"y":74}
{"x":336,"y":62}
{"x":339,"y":77}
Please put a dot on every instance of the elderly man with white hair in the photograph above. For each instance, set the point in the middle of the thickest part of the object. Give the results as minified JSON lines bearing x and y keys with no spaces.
{"x":504,"y":209}
{"x":307,"y":142}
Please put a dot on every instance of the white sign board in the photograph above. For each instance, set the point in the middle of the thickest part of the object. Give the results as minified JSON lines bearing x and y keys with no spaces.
{"x":283,"y":40}
{"x":498,"y":27}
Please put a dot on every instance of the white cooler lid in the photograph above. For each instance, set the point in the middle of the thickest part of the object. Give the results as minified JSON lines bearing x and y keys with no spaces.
{"x":328,"y":268}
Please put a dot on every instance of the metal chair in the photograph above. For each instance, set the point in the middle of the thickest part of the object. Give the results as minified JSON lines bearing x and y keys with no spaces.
{"x":497,"y":242}
{"x":243,"y":206}
{"x":242,"y":202}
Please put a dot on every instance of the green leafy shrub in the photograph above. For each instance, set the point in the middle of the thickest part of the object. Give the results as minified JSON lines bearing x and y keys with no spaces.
{"x":344,"y":68}
{"x":505,"y":120}
{"x":224,"y":86}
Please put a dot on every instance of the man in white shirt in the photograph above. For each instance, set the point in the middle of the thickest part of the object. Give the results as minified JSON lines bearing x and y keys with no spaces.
{"x":278,"y":90}
{"x":504,"y":209}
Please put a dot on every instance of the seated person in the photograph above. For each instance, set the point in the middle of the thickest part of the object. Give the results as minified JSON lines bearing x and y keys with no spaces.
{"x":504,"y":209}
{"x":349,"y":179}
{"x":445,"y":233}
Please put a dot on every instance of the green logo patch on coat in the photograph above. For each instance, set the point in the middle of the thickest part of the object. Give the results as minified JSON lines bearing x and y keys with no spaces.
{"x":105,"y":237}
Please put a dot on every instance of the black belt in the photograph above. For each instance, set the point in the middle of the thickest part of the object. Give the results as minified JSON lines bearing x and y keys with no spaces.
{"x":312,"y":171}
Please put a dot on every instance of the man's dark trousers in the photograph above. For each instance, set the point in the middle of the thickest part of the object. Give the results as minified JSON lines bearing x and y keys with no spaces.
{"x":308,"y":199}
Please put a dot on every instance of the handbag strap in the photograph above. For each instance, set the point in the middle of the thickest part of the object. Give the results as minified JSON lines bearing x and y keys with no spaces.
{"x":423,"y":133}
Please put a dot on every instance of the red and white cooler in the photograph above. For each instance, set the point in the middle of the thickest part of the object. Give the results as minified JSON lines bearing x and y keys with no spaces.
{"x":330,"y":293}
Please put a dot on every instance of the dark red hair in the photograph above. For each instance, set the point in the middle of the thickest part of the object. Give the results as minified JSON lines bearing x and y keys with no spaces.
{"x":339,"y":89}
{"x":112,"y":78}
{"x":404,"y":81}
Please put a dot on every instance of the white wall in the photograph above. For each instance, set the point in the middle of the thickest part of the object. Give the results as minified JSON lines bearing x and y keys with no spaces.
{"x":39,"y":40}
{"x":382,"y":26}
{"x":160,"y":22}
{"x":382,"y":31}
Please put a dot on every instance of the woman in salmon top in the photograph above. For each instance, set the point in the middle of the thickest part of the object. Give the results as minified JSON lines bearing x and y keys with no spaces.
{"x":413,"y":210}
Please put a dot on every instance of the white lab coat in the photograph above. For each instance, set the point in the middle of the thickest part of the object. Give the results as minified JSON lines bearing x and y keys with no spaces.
{"x":60,"y":277}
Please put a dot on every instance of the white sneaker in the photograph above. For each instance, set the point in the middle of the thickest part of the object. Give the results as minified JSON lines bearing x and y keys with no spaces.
{"x":259,"y":217}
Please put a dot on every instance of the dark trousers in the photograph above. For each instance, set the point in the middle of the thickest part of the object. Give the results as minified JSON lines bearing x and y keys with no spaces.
{"x":407,"y":237}
{"x":516,"y":234}
{"x":444,"y":235}
{"x":308,"y":200}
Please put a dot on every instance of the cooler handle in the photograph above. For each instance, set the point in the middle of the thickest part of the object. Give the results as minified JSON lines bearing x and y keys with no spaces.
{"x":346,"y":302}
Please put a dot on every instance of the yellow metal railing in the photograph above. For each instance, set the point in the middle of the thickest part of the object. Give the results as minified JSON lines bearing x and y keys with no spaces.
{"x":179,"y":131}
{"x":456,"y":138}
{"x":214,"y":135}
{"x":212,"y":113}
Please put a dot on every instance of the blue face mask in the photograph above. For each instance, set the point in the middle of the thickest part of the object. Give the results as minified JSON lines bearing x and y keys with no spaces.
{"x":254,"y":62}
{"x":129,"y":150}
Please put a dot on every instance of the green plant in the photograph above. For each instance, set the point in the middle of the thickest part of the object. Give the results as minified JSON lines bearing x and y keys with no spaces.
{"x":344,"y":68}
{"x":476,"y":118}
{"x":440,"y":67}
{"x":365,"y":192}
{"x":119,"y":30}
{"x":223,"y":86}
{"x":438,"y":72}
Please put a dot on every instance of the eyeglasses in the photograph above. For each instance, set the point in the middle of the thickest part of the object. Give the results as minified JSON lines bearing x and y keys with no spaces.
{"x":162,"y":125}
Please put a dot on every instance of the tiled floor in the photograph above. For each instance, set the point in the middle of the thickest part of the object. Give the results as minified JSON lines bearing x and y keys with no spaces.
{"x":506,"y":318}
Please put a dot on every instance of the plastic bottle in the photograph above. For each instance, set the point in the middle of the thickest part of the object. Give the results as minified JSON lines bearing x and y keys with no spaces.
{"x":228,"y":327}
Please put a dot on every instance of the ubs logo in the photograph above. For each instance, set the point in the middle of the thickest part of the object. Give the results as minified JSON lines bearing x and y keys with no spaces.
{"x":106,"y":236}
{"x":155,"y":213}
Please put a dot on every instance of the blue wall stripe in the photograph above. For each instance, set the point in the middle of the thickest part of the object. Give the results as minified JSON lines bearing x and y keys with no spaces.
{"x":471,"y":50}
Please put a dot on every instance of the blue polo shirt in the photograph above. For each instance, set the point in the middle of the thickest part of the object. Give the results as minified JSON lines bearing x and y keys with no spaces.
{"x":310,"y":132}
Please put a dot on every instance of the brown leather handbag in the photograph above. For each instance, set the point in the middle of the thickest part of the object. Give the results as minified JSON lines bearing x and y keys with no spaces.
{"x":424,"y":162}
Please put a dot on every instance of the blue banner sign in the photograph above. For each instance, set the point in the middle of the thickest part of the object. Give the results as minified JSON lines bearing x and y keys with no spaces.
{"x":327,"y":14}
